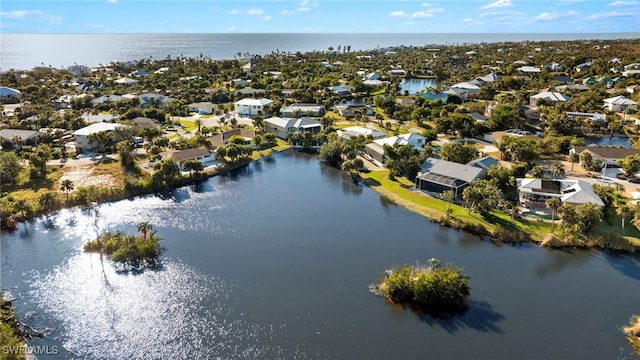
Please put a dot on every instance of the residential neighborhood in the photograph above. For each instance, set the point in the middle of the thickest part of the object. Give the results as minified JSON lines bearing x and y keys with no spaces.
{"x":504,"y":127}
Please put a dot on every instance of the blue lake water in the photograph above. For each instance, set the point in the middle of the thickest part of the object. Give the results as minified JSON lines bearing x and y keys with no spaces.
{"x":274,"y":261}
{"x":414,"y":86}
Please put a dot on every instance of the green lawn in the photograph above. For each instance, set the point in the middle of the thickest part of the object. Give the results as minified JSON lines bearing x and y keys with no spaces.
{"x":188,"y":125}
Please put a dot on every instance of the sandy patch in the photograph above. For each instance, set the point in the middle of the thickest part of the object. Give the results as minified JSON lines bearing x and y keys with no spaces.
{"x":81,"y":176}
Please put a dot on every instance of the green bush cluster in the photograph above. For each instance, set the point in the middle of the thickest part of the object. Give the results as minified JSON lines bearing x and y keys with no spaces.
{"x":428,"y":286}
{"x":127,"y":249}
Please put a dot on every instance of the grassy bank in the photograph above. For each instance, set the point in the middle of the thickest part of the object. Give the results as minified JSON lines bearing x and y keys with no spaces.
{"x":11,"y":341}
{"x":498,"y":225}
{"x":633,"y":333}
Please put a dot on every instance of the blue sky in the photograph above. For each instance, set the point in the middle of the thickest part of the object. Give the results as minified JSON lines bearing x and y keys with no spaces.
{"x":319,"y":16}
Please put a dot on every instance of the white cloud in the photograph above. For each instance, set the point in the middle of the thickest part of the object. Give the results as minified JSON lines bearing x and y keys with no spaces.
{"x":398,"y":14}
{"x":426,"y":4}
{"x":612,"y":14}
{"x":113,"y":1}
{"x":467,"y":20}
{"x":303,"y":9}
{"x":266,"y":18}
{"x":308,"y":4}
{"x":254,"y":12}
{"x":421,"y":14}
{"x":246,"y":11}
{"x":546,"y":16}
{"x":34,"y":15}
{"x":498,"y":4}
{"x":623,"y":3}
{"x":287,"y":12}
{"x":237,"y":12}
{"x":568,"y":2}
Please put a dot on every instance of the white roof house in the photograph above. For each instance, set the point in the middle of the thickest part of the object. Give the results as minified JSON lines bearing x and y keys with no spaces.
{"x":529,"y":69}
{"x":548,"y":96}
{"x":126,"y":81}
{"x":96,"y":128}
{"x":413,"y":139}
{"x":619,"y":104}
{"x":355,"y":131}
{"x":250,"y":106}
{"x":468,"y":86}
{"x":535,"y":192}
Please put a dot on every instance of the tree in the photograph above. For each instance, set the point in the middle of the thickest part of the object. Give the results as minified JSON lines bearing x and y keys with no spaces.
{"x":38,"y":161}
{"x":194,"y":166}
{"x":624,"y":211}
{"x":331,"y":151}
{"x":10,"y":167}
{"x":404,"y":160}
{"x":144,"y":228}
{"x":587,"y":159}
{"x":568,"y":216}
{"x":537,"y":171}
{"x":482,"y":196}
{"x":447,"y":198}
{"x":66,"y":185}
{"x":458,"y":152}
{"x":557,"y":169}
{"x":589,"y":215}
{"x":574,"y":157}
{"x":630,"y":165}
{"x":48,"y":201}
{"x":258,"y":122}
{"x":124,"y":149}
{"x":166,"y":172}
{"x":22,"y":206}
{"x":270,"y":138}
{"x":553,"y":204}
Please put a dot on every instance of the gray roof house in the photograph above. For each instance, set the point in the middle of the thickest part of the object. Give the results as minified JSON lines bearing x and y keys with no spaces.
{"x":24,"y":135}
{"x":202,"y":108}
{"x":533,"y":193}
{"x":484,"y":163}
{"x":609,"y":155}
{"x":439,"y":175}
{"x":9,"y":95}
{"x":201,"y":154}
{"x":145,"y":122}
{"x":281,"y":127}
{"x":302,"y":109}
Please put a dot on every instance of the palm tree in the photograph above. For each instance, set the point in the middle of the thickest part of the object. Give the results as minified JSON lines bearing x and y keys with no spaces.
{"x":144,"y":228}
{"x":66,"y":185}
{"x":574,"y":157}
{"x":624,"y":211}
{"x":587,"y":160}
{"x":553,"y":204}
{"x":557,"y":170}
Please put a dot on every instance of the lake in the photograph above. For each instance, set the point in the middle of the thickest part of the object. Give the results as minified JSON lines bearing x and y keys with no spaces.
{"x":414,"y":86}
{"x":275,"y":260}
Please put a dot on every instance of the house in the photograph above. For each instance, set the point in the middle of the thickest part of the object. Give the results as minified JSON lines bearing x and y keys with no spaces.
{"x":548,"y":96}
{"x":145,"y":122}
{"x":202,"y":108}
{"x":563,"y":79}
{"x":630,"y":73}
{"x":620,"y":104}
{"x":608,"y":154}
{"x":435,"y":96}
{"x":572,"y":87}
{"x":478,"y":117}
{"x":18,"y":135}
{"x":224,"y":137}
{"x":240,"y":83}
{"x":282,"y":127}
{"x":529,"y":70}
{"x":439,"y":175}
{"x":403,"y":101}
{"x":340,"y":90}
{"x":376,"y":84}
{"x":632,"y":88}
{"x":162,"y":71}
{"x":106,"y":99}
{"x":593,"y":117}
{"x":302,"y":109}
{"x":484,"y":163}
{"x":585,"y":66}
{"x":489,"y":78}
{"x":533,"y":193}
{"x":375,"y":149}
{"x":200,"y":154}
{"x":9,"y":95}
{"x":96,"y":118}
{"x":346,"y":111}
{"x":467,"y":86}
{"x":126,"y":81}
{"x":82,"y":136}
{"x":249,"y":92}
{"x":554,"y":67}
{"x":139,"y":72}
{"x":251,"y":107}
{"x":372,"y":76}
{"x":153,"y":99}
{"x":355,"y":131}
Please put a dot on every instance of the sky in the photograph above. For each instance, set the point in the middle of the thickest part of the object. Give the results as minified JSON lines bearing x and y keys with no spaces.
{"x":319,"y":16}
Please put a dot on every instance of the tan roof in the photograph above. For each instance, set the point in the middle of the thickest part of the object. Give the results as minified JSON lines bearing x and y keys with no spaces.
{"x":182,"y":155}
{"x":607,"y":152}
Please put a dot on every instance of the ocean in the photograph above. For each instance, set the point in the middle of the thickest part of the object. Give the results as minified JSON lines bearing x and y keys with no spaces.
{"x":26,"y":51}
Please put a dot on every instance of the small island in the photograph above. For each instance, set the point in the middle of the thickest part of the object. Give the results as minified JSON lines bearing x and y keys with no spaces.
{"x":126,"y":249}
{"x":426,"y":287}
{"x":633,"y":333}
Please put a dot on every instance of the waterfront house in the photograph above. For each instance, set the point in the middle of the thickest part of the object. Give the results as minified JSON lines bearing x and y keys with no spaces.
{"x":620,"y":104}
{"x":608,"y":154}
{"x":83,"y":142}
{"x":251,"y":107}
{"x":341,"y":91}
{"x":437,"y":176}
{"x":224,"y":137}
{"x":200,"y":154}
{"x":593,"y":117}
{"x":533,"y":193}
{"x":282,"y":127}
{"x":375,"y":149}
{"x":302,"y":109}
{"x":9,"y":95}
{"x":139,"y":73}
